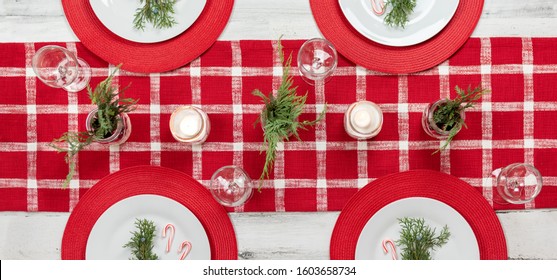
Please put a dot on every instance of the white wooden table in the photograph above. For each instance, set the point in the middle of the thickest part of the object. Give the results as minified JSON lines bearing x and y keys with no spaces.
{"x":530,"y":234}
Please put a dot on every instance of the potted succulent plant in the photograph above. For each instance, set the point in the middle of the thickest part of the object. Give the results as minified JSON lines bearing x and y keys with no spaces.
{"x":279,"y":117}
{"x":108,"y":123}
{"x":444,"y":118}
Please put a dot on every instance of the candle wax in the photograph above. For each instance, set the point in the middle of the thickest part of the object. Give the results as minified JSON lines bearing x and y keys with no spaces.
{"x":362,"y":119}
{"x":365,"y":118}
{"x":191,"y":123}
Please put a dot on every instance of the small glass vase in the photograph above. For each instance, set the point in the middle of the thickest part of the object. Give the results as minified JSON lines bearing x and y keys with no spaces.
{"x":120,"y":134}
{"x":429,"y":125}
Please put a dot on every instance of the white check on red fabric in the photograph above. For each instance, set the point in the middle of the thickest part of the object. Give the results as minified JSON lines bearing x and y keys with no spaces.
{"x":515,"y":123}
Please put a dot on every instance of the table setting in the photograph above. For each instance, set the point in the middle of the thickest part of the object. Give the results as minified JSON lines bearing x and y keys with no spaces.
{"x":320,"y":129}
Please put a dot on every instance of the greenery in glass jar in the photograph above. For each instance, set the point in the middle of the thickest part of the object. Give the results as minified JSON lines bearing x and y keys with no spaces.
{"x":280,"y":115}
{"x":110,"y":106}
{"x":447,"y":116}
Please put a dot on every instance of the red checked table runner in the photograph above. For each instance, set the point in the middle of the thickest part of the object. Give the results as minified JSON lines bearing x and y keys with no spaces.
{"x":515,"y":123}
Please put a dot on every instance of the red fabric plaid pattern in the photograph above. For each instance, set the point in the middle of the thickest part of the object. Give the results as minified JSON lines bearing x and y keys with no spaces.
{"x":512,"y":124}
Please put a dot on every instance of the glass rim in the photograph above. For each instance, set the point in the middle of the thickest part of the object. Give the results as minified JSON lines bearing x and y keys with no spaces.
{"x":243,"y":199}
{"x":531,"y":168}
{"x":430,"y":110}
{"x":66,"y":52}
{"x":328,"y":44}
{"x":231,"y":166}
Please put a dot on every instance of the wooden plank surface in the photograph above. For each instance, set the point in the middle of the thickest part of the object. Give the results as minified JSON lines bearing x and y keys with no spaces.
{"x":272,"y":235}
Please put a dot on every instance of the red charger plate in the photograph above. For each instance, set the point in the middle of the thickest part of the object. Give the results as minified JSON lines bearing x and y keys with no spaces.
{"x":150,"y":180}
{"x":153,"y":57}
{"x":419,"y":183}
{"x":396,"y":60}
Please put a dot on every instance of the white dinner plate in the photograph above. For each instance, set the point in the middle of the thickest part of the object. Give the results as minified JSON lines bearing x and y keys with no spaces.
{"x":428,"y":18}
{"x":462,"y":244}
{"x":118,"y":15}
{"x":113,"y":229}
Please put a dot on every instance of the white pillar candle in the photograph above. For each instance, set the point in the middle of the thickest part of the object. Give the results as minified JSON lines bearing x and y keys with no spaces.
{"x":363,"y":120}
{"x":189,"y":124}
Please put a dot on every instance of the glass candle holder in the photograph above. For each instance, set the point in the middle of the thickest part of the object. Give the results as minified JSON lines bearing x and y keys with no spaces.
{"x":190,"y":124}
{"x":363,"y":120}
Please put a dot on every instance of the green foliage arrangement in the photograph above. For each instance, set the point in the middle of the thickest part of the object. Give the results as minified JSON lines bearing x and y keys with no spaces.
{"x":447,"y":116}
{"x":141,"y":242}
{"x":109,"y":108}
{"x":400,"y":10}
{"x":417,"y":239}
{"x":109,"y":105}
{"x":157,"y":12}
{"x":280,"y":115}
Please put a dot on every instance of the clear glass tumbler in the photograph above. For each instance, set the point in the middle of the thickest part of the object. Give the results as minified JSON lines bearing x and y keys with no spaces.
{"x":59,"y":68}
{"x":519,"y":183}
{"x":231,"y":186}
{"x":317,"y":60}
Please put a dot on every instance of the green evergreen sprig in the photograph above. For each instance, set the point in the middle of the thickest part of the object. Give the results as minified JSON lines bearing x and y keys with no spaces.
{"x":447,"y":116}
{"x":141,"y":243}
{"x":400,"y":11}
{"x":418,"y":239}
{"x":76,"y":141}
{"x":280,"y":115}
{"x":109,"y":106}
{"x":157,"y":12}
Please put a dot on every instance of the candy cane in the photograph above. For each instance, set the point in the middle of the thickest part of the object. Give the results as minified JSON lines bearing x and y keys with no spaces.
{"x":187,"y":245}
{"x":171,"y":237}
{"x":378,"y":6}
{"x":392,"y":245}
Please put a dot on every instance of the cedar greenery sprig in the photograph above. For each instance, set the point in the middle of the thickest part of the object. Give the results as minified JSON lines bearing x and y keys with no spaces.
{"x":280,"y":115}
{"x":141,"y":243}
{"x":447,"y":116}
{"x":109,"y":107}
{"x":157,"y":12}
{"x":76,"y":141}
{"x":401,"y":9}
{"x":417,"y":239}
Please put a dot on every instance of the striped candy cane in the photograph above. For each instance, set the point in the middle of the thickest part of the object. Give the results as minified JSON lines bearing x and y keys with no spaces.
{"x":187,"y":245}
{"x":378,"y":6}
{"x":171,"y":235}
{"x":392,"y":245}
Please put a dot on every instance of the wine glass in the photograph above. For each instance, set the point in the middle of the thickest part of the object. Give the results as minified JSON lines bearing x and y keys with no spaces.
{"x":231,"y":186}
{"x":519,"y":183}
{"x":59,"y":68}
{"x":317,"y":60}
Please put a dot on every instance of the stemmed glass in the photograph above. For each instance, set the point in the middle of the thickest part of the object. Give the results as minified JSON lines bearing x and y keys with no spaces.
{"x":59,"y":68}
{"x":317,"y":60}
{"x":518,"y":183}
{"x":231,"y":186}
